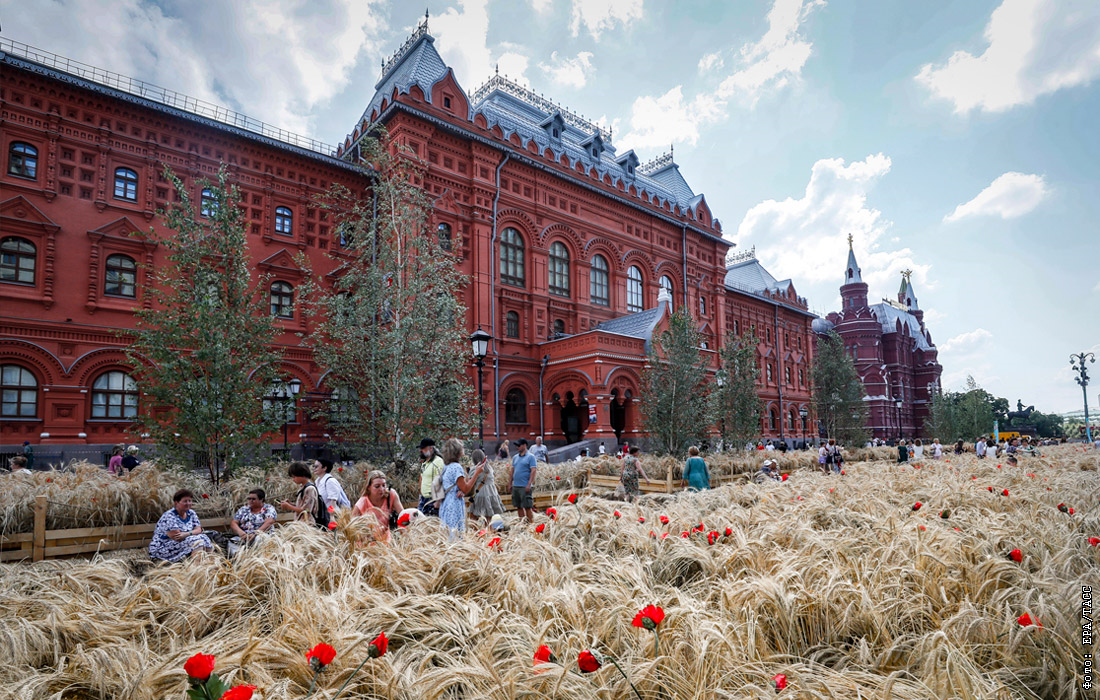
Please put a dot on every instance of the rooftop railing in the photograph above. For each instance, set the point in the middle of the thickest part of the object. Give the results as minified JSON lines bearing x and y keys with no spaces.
{"x":160,"y":95}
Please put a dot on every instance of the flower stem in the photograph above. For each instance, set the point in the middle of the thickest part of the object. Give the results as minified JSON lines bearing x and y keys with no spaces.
{"x":656,"y":643}
{"x":612,"y":660}
{"x":345,"y":685}
{"x":312,"y":683}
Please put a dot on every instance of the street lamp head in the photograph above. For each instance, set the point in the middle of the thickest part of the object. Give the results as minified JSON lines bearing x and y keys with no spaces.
{"x":898,"y":404}
{"x":803,"y":412}
{"x":479,"y":340}
{"x":295,"y":386}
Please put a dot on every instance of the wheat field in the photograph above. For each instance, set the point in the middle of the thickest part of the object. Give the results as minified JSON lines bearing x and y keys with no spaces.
{"x":834,"y":581}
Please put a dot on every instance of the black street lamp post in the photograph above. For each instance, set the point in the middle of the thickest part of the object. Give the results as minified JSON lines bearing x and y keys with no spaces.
{"x":479,"y":341}
{"x":290,"y":412}
{"x":1077,"y":363}
{"x":897,"y":404}
{"x":802,"y":413}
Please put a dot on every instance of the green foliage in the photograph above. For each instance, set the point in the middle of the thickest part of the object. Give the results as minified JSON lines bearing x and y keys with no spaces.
{"x":838,"y":392}
{"x":736,"y":403}
{"x":676,"y":409}
{"x":390,"y":325}
{"x":202,"y":354}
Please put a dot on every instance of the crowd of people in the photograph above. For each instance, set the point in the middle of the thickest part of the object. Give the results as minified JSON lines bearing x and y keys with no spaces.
{"x":455,"y":495}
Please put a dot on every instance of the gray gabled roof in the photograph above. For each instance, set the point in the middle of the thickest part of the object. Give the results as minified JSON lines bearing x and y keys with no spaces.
{"x":638,"y":325}
{"x":750,"y":275}
{"x":888,"y":316}
{"x":415,"y":63}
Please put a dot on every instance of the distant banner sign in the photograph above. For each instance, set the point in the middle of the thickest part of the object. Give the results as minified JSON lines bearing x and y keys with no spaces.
{"x":592,"y":415}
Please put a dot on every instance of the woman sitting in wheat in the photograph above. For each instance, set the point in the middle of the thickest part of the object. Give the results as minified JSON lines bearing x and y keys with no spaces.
{"x":178,"y":534}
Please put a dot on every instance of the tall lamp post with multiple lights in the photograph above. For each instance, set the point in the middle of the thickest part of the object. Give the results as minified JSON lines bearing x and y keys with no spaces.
{"x":802,"y":413}
{"x":479,"y":341}
{"x":1077,"y":363}
{"x":897,"y":404}
{"x":290,"y":407}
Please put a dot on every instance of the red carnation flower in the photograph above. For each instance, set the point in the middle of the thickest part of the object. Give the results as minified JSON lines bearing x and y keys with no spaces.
{"x":780,"y":681}
{"x":989,"y":489}
{"x":543,"y":655}
{"x":205,"y":495}
{"x":641,"y":520}
{"x":842,"y":472}
{"x":48,"y":480}
{"x":831,"y":490}
{"x":1071,"y":511}
{"x":540,"y":528}
{"x":494,"y":542}
{"x":1004,"y":492}
{"x":378,"y":646}
{"x":653,"y":534}
{"x":404,"y":520}
{"x":1026,"y":621}
{"x":552,"y":513}
{"x":998,"y":466}
{"x":1094,"y":541}
{"x":320,"y":656}
{"x":199,"y":667}
{"x":572,"y":498}
{"x":684,"y":534}
{"x":973,"y":478}
{"x":664,"y":535}
{"x":332,"y":509}
{"x":664,"y":520}
{"x":729,"y":531}
{"x":332,"y":525}
{"x":713,"y":536}
{"x":784,"y":477}
{"x":649,"y":617}
{"x":239,"y":692}
{"x":617,"y":514}
{"x":339,"y":469}
{"x":917,"y":505}
{"x":1063,"y":507}
{"x":1016,"y":556}
{"x":558,"y":478}
{"x":588,"y":662}
{"x":481,"y":533}
{"x":922,"y":527}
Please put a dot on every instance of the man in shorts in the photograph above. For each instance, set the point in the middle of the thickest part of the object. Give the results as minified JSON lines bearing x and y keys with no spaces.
{"x":522,"y":480}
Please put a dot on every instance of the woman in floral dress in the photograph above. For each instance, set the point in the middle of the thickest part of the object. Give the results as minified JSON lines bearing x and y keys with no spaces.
{"x":632,"y":467}
{"x":456,"y":485}
{"x":178,"y":534}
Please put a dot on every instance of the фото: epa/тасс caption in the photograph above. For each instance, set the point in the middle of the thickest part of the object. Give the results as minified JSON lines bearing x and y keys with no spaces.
{"x":1086,"y":637}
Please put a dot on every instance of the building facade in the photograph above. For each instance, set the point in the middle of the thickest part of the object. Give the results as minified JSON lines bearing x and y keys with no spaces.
{"x":892,"y":351}
{"x":575,"y":253}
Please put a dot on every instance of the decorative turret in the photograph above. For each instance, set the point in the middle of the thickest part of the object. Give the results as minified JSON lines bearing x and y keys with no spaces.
{"x":853,"y":292}
{"x":908,"y":298}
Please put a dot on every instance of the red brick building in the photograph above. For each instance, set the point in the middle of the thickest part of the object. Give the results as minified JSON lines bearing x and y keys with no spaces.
{"x":575,"y":252}
{"x":893,"y":353}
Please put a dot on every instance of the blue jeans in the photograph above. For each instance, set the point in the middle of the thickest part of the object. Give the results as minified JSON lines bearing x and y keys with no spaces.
{"x":427,"y":509}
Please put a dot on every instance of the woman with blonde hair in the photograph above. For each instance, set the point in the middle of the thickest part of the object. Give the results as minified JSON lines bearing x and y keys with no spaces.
{"x":380,"y":502}
{"x":456,"y":486}
{"x":486,"y":501}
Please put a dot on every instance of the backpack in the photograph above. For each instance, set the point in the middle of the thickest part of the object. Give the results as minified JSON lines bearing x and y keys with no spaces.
{"x":437,"y":487}
{"x":321,"y":517}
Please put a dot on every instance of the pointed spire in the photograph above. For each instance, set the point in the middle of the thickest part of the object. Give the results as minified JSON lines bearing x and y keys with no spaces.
{"x":910,"y":296}
{"x":852,"y":273}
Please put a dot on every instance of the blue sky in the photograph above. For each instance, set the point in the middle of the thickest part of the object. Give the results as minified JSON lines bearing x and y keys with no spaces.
{"x":956,"y":139}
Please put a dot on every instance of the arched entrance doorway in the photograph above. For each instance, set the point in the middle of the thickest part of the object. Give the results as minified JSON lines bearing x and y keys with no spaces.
{"x":574,"y":415}
{"x":620,"y":404}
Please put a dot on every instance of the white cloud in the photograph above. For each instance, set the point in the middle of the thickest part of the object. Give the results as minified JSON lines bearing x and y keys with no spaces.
{"x":1035,"y":47}
{"x":933,"y":316}
{"x":805,"y":238}
{"x":1010,"y":195}
{"x":711,"y":61}
{"x":770,"y":63}
{"x":225,"y":53}
{"x":599,"y":15}
{"x":572,"y":72}
{"x":541,"y":6}
{"x":966,"y":342}
{"x":462,"y":40}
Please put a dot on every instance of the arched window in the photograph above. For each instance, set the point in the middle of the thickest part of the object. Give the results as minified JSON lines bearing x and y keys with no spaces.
{"x":768,"y":367}
{"x":208,"y":204}
{"x":281,"y":401}
{"x":126,"y":182}
{"x":114,"y":395}
{"x":515,"y":406}
{"x":511,"y":258}
{"x":791,"y":419}
{"x":801,"y":377}
{"x":282,"y":300}
{"x":702,"y":305}
{"x":599,"y":283}
{"x":773,"y":419}
{"x":443,"y":231}
{"x":284,"y":221}
{"x":633,"y":289}
{"x":787,"y":375}
{"x":559,"y":327}
{"x":121,"y":279}
{"x":559,"y":269}
{"x":20,"y":392}
{"x":666,"y":284}
{"x":23,"y":160}
{"x":511,"y":324}
{"x":17,"y":260}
